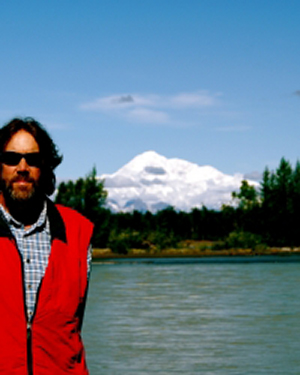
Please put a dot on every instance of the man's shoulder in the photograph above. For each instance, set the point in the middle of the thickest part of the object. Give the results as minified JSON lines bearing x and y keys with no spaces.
{"x":70,"y":213}
{"x":74,"y":224}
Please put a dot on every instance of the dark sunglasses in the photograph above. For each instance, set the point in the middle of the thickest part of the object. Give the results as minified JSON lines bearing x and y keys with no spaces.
{"x":33,"y":159}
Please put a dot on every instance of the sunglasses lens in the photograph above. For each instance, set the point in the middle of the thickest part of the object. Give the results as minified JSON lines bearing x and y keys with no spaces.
{"x":33,"y":159}
{"x":13,"y":158}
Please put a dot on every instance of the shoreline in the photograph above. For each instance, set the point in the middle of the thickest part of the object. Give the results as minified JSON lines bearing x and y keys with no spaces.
{"x":271,"y":254}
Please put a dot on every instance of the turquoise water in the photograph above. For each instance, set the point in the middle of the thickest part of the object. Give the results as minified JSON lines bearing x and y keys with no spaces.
{"x":210,"y":319}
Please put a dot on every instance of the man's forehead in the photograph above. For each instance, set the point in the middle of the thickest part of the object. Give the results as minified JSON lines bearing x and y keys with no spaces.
{"x":22,"y":141}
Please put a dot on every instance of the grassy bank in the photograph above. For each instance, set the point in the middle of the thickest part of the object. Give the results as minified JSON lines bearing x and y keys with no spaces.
{"x":196,"y":249}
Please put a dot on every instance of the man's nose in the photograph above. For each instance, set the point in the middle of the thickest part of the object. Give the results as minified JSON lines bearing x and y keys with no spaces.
{"x":22,"y":166}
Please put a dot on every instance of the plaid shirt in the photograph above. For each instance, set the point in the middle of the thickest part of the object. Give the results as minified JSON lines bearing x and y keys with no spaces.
{"x":34,"y":244}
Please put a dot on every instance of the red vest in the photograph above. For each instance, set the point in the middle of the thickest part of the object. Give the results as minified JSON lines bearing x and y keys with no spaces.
{"x":52,"y":345}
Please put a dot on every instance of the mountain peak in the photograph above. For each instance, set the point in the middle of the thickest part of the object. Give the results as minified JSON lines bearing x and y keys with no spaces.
{"x":151,"y":181}
{"x":141,"y":161}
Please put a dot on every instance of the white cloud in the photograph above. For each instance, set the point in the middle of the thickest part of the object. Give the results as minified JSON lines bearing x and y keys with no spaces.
{"x":121,"y":101}
{"x":148,"y":116}
{"x":194,"y":100}
{"x":150,"y":108}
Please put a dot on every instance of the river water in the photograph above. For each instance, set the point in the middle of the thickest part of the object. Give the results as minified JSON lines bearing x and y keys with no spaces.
{"x":210,"y":319}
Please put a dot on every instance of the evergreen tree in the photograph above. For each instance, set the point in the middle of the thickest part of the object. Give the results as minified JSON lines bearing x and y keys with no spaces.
{"x":277,"y":204}
{"x":295,"y":205}
{"x":247,"y":197}
{"x":88,"y":197}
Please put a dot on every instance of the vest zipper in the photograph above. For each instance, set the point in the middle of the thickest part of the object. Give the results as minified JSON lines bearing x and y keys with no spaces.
{"x":29,"y":332}
{"x":29,"y":349}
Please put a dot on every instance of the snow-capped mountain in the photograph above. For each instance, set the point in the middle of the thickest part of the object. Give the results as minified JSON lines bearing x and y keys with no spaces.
{"x":152,"y":182}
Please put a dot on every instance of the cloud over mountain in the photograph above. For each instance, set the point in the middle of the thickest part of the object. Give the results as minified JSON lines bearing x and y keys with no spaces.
{"x":151,"y":108}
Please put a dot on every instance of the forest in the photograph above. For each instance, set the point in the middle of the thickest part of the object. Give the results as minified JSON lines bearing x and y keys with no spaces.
{"x":257,"y":218}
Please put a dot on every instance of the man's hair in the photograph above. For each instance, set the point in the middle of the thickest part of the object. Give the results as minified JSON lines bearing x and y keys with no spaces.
{"x":48,"y":150}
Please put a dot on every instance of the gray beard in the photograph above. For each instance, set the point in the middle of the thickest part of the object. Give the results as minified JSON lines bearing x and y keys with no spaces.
{"x":19,"y":196}
{"x":23,"y":204}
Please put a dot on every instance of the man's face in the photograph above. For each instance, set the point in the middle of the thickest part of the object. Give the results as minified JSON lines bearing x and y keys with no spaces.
{"x":19,"y":182}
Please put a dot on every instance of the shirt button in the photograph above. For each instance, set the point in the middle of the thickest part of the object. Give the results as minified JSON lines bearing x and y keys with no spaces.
{"x":27,"y":260}
{"x":29,"y":286}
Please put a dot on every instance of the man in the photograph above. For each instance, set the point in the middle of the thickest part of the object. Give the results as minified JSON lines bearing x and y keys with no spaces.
{"x":44,"y":259}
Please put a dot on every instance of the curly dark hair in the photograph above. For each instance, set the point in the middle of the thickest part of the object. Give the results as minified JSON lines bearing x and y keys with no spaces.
{"x":48,"y":150}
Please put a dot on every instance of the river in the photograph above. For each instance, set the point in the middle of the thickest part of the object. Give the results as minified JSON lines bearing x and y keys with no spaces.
{"x":193,"y":318}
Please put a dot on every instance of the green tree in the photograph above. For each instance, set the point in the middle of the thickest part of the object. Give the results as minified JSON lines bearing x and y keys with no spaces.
{"x":283,"y":187}
{"x":87,"y":196}
{"x":278,"y":198}
{"x":247,"y":197}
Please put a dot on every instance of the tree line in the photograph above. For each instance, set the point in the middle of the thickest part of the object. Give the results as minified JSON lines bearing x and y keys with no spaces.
{"x":267,"y":216}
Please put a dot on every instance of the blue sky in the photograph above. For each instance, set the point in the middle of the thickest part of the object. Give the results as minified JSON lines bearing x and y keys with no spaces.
{"x":209,"y":81}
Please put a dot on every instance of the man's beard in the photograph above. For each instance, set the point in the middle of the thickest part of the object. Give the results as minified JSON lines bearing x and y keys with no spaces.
{"x":23,"y":202}
{"x":20,"y":196}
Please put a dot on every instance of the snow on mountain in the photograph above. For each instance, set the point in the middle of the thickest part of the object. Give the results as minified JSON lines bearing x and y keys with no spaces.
{"x":152,"y":182}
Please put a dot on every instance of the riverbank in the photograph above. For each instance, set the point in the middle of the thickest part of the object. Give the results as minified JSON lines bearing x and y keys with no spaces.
{"x":197,"y":249}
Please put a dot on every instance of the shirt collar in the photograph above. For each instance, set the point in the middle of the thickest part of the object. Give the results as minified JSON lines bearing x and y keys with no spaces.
{"x":41,"y":221}
{"x":56,"y":223}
